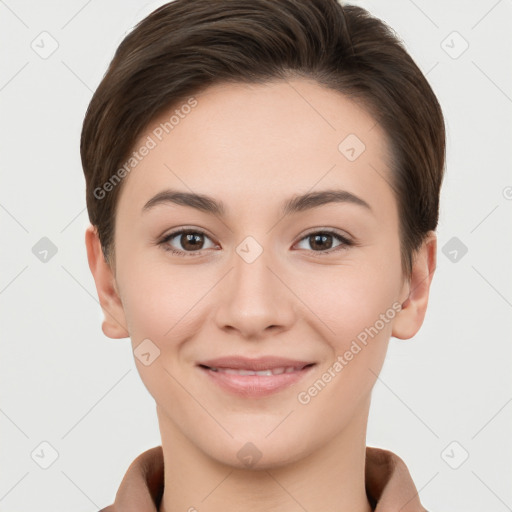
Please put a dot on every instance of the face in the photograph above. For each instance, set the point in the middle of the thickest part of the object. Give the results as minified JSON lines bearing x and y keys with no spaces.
{"x":272,"y":274}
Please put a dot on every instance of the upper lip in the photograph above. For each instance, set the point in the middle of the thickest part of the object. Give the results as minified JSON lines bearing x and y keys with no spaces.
{"x":257,"y":364}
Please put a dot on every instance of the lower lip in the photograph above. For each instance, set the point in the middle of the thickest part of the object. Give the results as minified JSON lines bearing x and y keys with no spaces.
{"x":255,"y":385}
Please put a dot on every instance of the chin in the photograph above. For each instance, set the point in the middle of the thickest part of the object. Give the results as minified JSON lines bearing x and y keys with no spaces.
{"x":254,"y":450}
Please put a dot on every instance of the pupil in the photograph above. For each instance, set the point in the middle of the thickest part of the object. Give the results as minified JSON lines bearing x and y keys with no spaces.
{"x":321,"y":238}
{"x":189,"y":239}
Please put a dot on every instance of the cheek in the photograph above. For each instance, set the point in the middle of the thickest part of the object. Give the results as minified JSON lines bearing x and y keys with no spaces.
{"x":160,"y":300}
{"x":357,"y":302}
{"x":162,"y":305}
{"x":358,"y":307}
{"x":350,"y":298}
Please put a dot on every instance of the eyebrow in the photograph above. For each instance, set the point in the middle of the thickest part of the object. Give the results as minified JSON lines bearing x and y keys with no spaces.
{"x":296,"y":204}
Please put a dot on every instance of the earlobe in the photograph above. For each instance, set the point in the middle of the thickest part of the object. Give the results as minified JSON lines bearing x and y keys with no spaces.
{"x":409,"y":320}
{"x":114,"y":323}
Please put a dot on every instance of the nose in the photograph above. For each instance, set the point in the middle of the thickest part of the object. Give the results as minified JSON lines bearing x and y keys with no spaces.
{"x":253,"y":298}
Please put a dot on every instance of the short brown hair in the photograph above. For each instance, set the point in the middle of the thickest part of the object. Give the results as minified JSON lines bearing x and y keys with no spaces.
{"x":185,"y":46}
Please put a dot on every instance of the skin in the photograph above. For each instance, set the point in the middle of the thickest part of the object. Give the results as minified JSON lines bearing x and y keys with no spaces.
{"x":253,"y":147}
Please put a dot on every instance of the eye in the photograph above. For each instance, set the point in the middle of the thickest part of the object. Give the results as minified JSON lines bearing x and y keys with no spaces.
{"x":322,"y":241}
{"x":189,"y":241}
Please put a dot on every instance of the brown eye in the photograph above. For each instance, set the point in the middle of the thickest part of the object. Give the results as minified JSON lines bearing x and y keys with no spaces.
{"x":321,"y":241}
{"x":185,"y":241}
{"x":191,"y":241}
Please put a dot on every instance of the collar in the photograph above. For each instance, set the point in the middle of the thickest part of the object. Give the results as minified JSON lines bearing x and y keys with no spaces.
{"x":389,"y":485}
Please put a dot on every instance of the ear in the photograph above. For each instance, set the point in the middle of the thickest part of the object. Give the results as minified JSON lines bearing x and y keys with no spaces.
{"x":114,"y":323}
{"x":415,"y":290}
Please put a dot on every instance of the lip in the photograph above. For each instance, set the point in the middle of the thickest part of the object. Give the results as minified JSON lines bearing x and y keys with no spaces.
{"x":254,"y":385}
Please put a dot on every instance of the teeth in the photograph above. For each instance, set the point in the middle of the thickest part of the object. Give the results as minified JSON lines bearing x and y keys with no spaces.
{"x":269,"y":372}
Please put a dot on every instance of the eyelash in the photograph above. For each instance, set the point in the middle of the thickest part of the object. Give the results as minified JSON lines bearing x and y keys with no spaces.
{"x":345,"y":242}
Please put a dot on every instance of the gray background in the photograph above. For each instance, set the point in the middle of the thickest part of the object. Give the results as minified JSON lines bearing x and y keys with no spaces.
{"x":442,"y":396}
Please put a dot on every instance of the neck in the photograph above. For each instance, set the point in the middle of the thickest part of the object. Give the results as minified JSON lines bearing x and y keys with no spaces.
{"x":331,"y":479}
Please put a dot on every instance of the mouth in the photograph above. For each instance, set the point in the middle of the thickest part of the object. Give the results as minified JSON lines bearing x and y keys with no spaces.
{"x":269,"y":371}
{"x":255,"y":377}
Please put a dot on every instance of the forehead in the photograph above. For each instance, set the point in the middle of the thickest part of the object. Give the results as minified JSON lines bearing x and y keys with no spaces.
{"x":241,"y":141}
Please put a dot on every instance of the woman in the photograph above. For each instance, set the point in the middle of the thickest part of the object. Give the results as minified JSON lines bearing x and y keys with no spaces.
{"x":263,"y":188}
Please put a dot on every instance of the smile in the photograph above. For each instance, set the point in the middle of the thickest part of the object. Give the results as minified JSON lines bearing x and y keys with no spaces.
{"x":253,"y":378}
{"x":269,"y":371}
